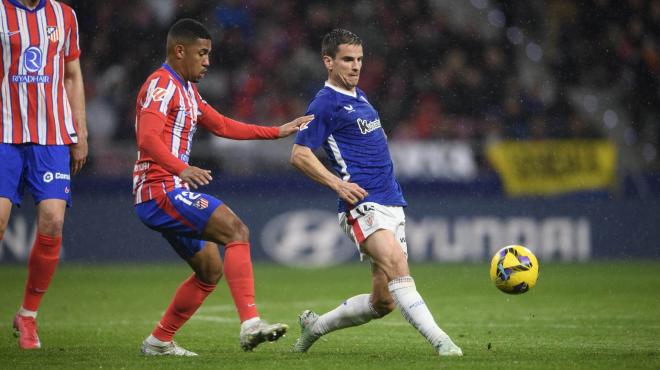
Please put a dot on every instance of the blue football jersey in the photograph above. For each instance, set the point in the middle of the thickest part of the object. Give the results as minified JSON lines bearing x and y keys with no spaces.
{"x":349,"y":130}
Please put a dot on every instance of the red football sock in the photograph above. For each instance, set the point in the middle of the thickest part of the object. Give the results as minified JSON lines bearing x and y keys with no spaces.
{"x":238,"y":273}
{"x":187,"y":299}
{"x":41,"y":266}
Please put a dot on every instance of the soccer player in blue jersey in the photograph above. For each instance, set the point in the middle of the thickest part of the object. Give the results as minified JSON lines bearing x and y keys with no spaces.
{"x":370,"y":199}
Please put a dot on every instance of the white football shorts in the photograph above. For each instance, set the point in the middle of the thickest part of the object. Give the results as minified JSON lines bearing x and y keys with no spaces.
{"x":369,"y":217}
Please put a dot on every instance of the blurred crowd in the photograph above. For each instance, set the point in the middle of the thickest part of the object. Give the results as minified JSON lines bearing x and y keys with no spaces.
{"x":430,"y":73}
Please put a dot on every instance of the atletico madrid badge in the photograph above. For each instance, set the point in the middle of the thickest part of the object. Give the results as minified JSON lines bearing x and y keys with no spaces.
{"x":201,"y":203}
{"x":53,"y":33}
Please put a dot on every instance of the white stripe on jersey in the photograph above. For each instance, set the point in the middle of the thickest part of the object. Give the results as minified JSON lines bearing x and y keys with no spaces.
{"x":6,"y":96}
{"x":22,"y":88}
{"x":147,"y":100}
{"x":75,"y":18}
{"x":42,"y":124}
{"x":164,"y":105}
{"x":192,"y":101}
{"x":56,"y":73}
{"x":178,"y":125}
{"x":340,"y":160}
{"x":68,"y":116}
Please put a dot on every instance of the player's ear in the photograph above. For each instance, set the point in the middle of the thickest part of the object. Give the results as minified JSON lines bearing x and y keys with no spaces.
{"x":328,"y":61}
{"x":179,"y":51}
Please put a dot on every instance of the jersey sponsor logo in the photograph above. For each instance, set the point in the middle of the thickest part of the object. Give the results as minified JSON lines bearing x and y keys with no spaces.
{"x":158,"y":94}
{"x":349,"y":108}
{"x":53,"y":33}
{"x":366,"y":126}
{"x":32,"y":59}
{"x":30,"y":79}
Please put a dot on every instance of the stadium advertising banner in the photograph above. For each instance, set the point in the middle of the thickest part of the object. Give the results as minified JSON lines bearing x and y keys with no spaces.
{"x":553,"y":166}
{"x":301,"y":229}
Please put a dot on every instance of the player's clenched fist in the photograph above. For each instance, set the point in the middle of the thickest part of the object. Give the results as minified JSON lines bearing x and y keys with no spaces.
{"x":295,"y":125}
{"x":195,"y":176}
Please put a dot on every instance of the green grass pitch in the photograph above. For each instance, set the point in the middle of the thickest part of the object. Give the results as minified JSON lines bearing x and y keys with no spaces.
{"x":582,"y":316}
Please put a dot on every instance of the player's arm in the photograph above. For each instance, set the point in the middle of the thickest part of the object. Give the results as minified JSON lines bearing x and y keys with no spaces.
{"x":75,"y":91}
{"x":226,"y":127}
{"x":306,"y":161}
{"x":149,"y":143}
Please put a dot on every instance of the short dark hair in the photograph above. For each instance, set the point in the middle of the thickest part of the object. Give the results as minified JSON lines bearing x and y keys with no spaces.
{"x":336,"y":37}
{"x":187,"y":30}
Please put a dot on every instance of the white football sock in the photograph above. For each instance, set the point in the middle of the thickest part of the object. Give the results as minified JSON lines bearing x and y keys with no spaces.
{"x":27,"y":313}
{"x":414,"y":309}
{"x":353,"y":312}
{"x":156,"y":342}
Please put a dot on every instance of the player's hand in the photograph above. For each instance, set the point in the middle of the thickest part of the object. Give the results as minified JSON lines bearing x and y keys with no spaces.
{"x":195,"y":176}
{"x":294,"y":126}
{"x":78,"y":153}
{"x":350,"y":192}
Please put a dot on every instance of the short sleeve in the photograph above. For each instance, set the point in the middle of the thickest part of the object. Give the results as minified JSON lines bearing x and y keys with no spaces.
{"x":72,"y":44}
{"x":315,"y":133}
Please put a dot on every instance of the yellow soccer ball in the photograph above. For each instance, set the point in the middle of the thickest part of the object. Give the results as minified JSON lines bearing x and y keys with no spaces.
{"x":514,"y":269}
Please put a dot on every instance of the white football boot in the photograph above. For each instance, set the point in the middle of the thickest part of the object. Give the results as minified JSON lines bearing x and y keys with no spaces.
{"x":260,"y":331}
{"x":448,"y":348}
{"x":168,"y":349}
{"x":307,"y":319}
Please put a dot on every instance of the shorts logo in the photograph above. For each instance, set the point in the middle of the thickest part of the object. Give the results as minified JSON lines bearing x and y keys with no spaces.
{"x":201,"y":203}
{"x":370,"y":220}
{"x":48,"y":177}
{"x":32,"y":59}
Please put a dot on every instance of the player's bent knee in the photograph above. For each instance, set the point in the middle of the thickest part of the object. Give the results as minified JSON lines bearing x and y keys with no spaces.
{"x":383,"y":306}
{"x":210,"y":275}
{"x":240,"y":231}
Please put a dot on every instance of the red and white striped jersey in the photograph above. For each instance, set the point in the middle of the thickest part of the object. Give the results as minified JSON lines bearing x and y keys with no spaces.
{"x":179,"y":104}
{"x":36,"y":44}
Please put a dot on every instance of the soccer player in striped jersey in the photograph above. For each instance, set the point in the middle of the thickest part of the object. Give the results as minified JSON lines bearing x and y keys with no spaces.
{"x":43,"y":133}
{"x":370,"y":199}
{"x":168,"y":110}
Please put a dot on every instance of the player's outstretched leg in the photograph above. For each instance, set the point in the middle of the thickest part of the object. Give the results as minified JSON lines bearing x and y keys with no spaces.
{"x":189,"y":296}
{"x":414,"y":309}
{"x":354,"y":311}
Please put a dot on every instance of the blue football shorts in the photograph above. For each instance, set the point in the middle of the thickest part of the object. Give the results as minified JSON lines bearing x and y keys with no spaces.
{"x":180,"y":216}
{"x":43,"y":169}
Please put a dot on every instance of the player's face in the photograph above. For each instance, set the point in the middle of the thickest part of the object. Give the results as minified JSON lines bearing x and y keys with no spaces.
{"x":196,"y":59}
{"x":344,"y":68}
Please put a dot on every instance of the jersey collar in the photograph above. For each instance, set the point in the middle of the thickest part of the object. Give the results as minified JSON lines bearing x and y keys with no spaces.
{"x":18,"y":4}
{"x":176,"y":75}
{"x":342,"y":91}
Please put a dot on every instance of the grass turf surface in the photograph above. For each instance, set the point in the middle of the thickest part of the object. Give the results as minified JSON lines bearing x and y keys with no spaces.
{"x":598,"y":315}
